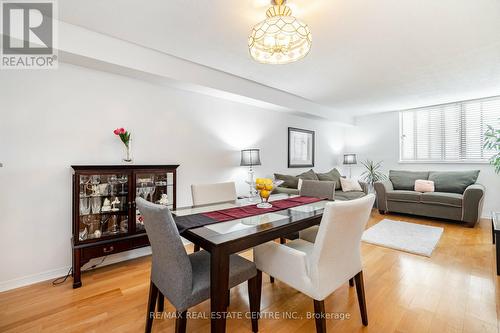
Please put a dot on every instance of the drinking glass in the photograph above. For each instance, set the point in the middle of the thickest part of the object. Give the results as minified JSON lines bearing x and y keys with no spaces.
{"x":96,"y":205}
{"x":84,"y":206}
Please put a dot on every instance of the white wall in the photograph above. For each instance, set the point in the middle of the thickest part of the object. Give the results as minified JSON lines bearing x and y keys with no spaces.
{"x":52,"y":119}
{"x":376,"y":137}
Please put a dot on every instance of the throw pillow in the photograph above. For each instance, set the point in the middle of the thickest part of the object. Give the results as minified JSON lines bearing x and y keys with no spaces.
{"x":332,"y":176}
{"x":453,"y":181}
{"x":405,"y":180}
{"x":424,"y":185}
{"x":289,"y":181}
{"x":308,"y":175}
{"x":349,"y":185}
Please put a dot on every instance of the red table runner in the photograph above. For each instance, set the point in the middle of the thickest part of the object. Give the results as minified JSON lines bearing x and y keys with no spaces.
{"x":247,"y":211}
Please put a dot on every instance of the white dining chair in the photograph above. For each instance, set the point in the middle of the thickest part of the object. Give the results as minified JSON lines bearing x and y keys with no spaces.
{"x":206,"y":194}
{"x":318,"y":269}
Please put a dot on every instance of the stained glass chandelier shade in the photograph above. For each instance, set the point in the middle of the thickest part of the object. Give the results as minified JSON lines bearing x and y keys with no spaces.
{"x":281,"y":38}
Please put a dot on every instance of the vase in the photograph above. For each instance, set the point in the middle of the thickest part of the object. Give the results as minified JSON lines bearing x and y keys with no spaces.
{"x":128,"y":153}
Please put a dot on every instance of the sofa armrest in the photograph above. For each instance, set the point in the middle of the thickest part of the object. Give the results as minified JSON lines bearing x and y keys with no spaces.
{"x":364,"y":186}
{"x":472,"y":205}
{"x":381,"y":189}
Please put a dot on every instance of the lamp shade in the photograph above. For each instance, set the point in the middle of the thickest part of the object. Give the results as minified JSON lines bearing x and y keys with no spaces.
{"x":250,"y":157}
{"x":350,"y":159}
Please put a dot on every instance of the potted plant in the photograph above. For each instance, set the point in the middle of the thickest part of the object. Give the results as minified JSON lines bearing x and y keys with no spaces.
{"x":492,"y":142}
{"x":372,"y":174}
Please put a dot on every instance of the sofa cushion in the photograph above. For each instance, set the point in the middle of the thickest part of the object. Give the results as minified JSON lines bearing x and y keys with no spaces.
{"x":289,"y":180}
{"x":442,"y":198}
{"x":402,"y":195}
{"x":344,"y":196}
{"x":293,"y":181}
{"x":308,"y":175}
{"x":405,"y":180}
{"x":453,"y":181}
{"x":332,"y":176}
{"x":349,"y":185}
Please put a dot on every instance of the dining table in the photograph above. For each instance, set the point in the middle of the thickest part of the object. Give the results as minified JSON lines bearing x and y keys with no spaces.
{"x":222,"y":239}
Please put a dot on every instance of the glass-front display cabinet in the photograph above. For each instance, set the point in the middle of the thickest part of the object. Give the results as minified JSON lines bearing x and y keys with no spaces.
{"x":105,"y":217}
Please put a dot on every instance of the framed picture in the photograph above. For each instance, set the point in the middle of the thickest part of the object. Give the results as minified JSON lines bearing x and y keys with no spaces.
{"x":300,"y":148}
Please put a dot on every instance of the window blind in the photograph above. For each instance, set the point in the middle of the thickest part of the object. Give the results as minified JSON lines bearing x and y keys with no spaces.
{"x":448,"y":133}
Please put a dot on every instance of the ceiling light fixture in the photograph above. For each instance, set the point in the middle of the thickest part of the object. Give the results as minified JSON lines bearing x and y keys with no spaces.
{"x":281,"y":38}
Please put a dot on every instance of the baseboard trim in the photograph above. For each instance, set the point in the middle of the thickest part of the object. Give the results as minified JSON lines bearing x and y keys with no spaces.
{"x":58,"y":272}
{"x":55,"y":273}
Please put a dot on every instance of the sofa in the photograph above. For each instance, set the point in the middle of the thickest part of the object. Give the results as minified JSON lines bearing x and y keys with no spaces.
{"x":290,"y":184}
{"x":456,"y":195}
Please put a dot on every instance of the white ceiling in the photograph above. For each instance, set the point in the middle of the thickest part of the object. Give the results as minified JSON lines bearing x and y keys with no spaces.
{"x":368,"y":56}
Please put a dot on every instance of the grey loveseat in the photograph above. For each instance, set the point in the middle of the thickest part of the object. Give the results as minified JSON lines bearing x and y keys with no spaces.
{"x":457,"y":196}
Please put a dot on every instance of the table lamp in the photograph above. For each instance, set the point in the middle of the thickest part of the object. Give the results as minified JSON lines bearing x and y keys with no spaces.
{"x":250,"y":158}
{"x":350,"y":160}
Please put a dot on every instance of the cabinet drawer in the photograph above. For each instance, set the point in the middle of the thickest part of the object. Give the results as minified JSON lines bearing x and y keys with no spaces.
{"x":105,"y":249}
{"x":140,"y":241}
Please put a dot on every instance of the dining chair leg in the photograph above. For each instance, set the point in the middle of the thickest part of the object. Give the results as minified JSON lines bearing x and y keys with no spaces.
{"x":161,"y":302}
{"x":271,"y":279}
{"x":319,"y":316}
{"x":360,"y":290}
{"x":282,"y":240}
{"x":153,"y":293}
{"x":196,"y":248}
{"x":181,"y":322}
{"x":254,"y":295}
{"x":229,"y":297}
{"x":351,"y":282}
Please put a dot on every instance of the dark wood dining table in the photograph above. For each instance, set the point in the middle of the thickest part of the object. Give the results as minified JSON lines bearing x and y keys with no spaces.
{"x":225,"y":238}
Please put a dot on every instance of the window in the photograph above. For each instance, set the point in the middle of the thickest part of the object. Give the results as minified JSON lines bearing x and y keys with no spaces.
{"x":448,"y":133}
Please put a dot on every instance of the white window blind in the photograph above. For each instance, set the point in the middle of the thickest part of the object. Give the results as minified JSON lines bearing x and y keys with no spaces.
{"x":448,"y":133}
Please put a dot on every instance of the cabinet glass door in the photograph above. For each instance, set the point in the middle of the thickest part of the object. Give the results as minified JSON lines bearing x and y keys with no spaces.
{"x":103,"y":205}
{"x":156,"y":187}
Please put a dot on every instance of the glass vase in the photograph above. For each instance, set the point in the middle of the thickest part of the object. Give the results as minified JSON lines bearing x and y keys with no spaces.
{"x":128,"y":153}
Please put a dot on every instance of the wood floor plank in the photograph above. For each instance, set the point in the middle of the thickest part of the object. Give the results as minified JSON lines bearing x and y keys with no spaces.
{"x":456,"y":290}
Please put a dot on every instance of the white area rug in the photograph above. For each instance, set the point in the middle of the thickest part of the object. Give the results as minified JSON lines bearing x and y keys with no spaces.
{"x":404,"y":236}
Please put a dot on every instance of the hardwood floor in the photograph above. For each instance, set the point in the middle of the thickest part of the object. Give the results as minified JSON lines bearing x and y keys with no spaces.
{"x":456,"y":290}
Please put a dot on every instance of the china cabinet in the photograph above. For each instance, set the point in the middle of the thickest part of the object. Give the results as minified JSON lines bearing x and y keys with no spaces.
{"x":105,"y":217}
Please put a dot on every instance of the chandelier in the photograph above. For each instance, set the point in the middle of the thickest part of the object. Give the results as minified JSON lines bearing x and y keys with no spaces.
{"x":280,"y":38}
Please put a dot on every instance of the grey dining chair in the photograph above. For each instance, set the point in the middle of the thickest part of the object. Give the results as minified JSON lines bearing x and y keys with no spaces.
{"x":185,"y":279}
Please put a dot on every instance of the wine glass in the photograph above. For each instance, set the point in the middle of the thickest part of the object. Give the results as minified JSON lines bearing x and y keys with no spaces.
{"x":94,"y":181}
{"x":123,"y":179}
{"x":112,"y":180}
{"x":83,"y":184}
{"x":152,"y":192}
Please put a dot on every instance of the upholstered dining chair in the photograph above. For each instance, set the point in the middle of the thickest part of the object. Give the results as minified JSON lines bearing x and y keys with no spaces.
{"x":316,"y":188}
{"x":206,"y":194}
{"x":318,"y":269}
{"x":185,"y":279}
{"x":311,"y":188}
